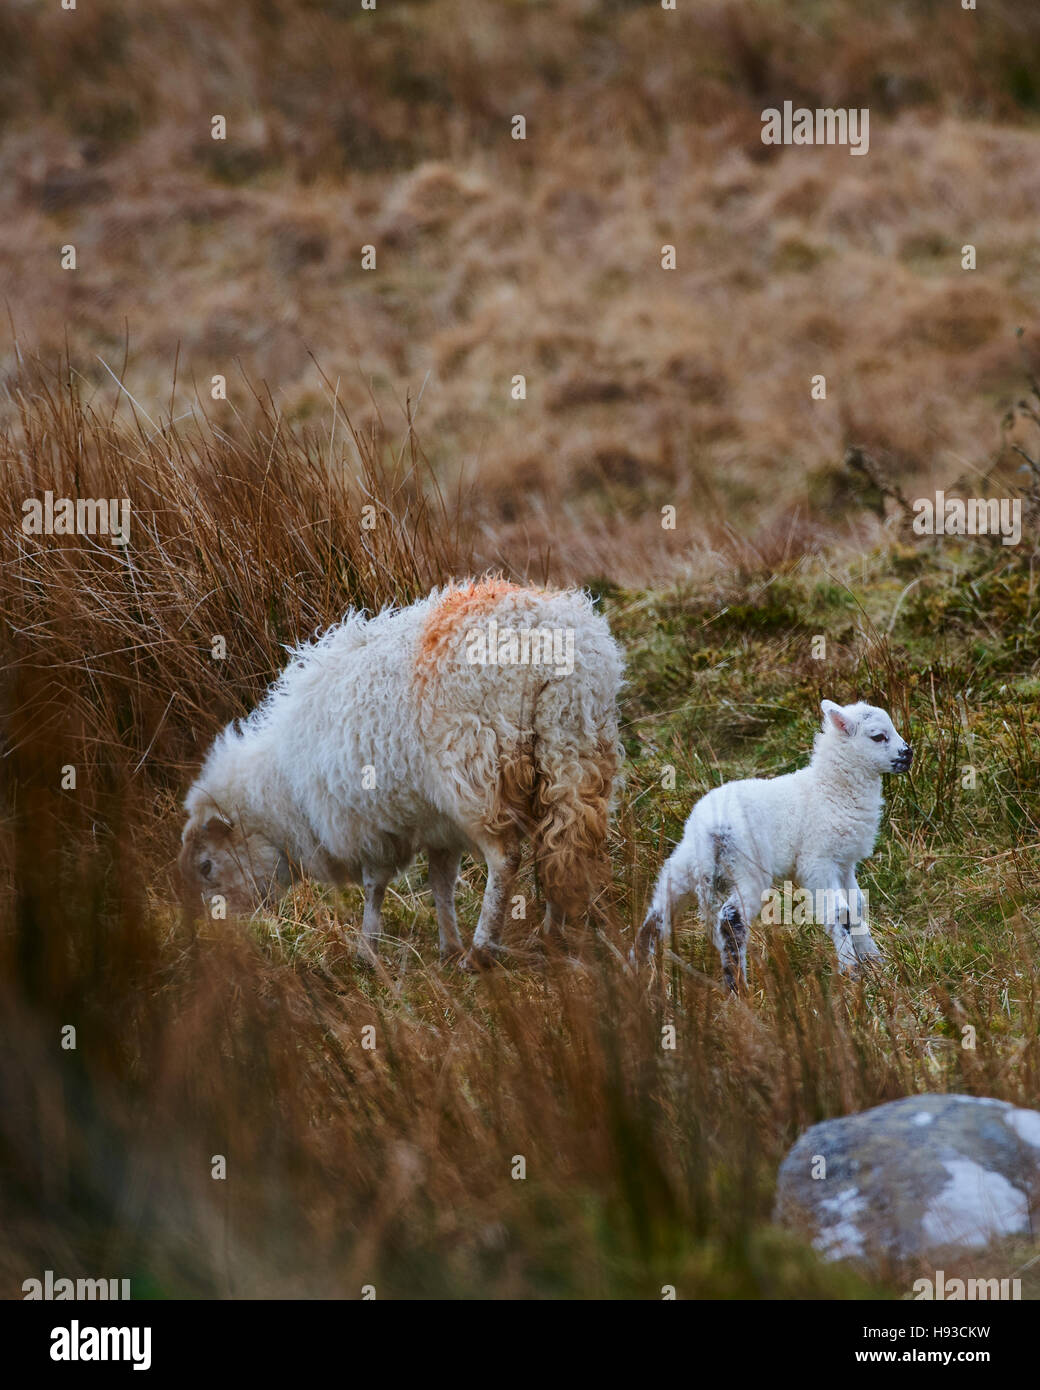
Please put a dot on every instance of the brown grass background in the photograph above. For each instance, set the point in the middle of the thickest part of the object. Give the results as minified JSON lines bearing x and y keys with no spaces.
{"x":542,"y":257}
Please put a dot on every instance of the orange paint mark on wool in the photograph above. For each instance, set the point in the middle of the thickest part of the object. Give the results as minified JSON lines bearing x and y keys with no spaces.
{"x":460,"y":608}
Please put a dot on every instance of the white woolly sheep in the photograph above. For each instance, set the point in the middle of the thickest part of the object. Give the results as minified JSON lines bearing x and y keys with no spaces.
{"x":477,"y":717}
{"x":812,"y":827}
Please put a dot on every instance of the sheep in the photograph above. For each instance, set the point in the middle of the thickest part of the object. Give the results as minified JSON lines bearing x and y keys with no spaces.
{"x":812,"y":826}
{"x":477,"y":717}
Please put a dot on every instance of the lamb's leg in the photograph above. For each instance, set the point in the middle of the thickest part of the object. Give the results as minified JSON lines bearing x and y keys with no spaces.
{"x":731,"y":938}
{"x":862,"y":942}
{"x":444,"y":872}
{"x":375,"y":882}
{"x":838,"y":924}
{"x":503,"y":862}
{"x":673,"y":889}
{"x":657,"y":924}
{"x":655,"y":931}
{"x":824,"y":882}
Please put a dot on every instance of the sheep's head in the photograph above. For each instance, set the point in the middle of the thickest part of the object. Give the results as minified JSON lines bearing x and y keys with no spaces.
{"x":868,"y":738}
{"x":222,"y":857}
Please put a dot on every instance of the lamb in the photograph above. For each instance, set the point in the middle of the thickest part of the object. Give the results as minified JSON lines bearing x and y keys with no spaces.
{"x":812,"y":826}
{"x":480,"y":716}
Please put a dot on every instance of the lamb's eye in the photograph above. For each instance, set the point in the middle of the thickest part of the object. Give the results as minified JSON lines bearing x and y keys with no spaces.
{"x":879,"y":738}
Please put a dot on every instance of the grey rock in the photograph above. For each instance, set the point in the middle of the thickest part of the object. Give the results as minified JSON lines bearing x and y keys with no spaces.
{"x":915,"y":1180}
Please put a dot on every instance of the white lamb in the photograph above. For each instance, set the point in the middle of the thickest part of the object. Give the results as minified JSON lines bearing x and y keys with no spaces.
{"x":477,"y":717}
{"x":811,"y":827}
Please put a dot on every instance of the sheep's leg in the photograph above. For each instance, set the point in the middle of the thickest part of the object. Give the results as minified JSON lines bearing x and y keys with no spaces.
{"x":673,"y":889}
{"x":444,"y":872}
{"x":838,"y":924}
{"x":825,"y":885}
{"x":731,"y":938}
{"x":375,"y":882}
{"x":503,"y":862}
{"x":655,"y":931}
{"x":823,"y":880}
{"x":862,"y":942}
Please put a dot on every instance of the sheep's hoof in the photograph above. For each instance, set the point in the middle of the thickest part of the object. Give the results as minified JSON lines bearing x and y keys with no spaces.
{"x":479,"y":958}
{"x":366,"y":956}
{"x":867,"y":966}
{"x":452,"y":955}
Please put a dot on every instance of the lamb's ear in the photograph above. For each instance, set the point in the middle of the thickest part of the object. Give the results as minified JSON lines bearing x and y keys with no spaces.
{"x":837,"y":717}
{"x":218,"y":828}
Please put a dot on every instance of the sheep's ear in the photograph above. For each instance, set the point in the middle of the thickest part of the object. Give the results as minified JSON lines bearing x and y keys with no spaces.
{"x":218,"y":828}
{"x":837,"y":717}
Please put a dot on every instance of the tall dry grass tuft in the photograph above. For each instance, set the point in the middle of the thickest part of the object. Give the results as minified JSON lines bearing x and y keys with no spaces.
{"x":123,"y":660}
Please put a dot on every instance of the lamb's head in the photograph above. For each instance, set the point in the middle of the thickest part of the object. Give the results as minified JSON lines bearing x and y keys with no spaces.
{"x":865,"y":737}
{"x":222,"y":856}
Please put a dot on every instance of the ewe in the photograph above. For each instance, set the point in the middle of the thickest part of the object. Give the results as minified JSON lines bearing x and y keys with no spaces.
{"x":477,"y":717}
{"x":811,"y":827}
